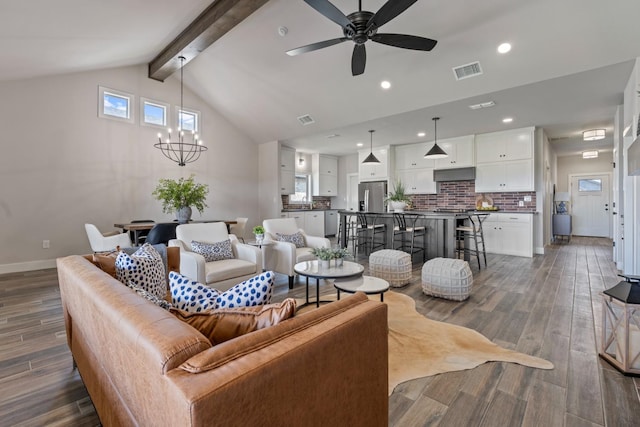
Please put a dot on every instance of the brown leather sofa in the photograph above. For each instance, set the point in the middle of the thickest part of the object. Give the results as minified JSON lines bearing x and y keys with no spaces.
{"x":143,"y":366}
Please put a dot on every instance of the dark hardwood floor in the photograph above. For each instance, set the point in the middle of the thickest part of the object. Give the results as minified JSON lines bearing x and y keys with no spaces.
{"x":547,"y":306}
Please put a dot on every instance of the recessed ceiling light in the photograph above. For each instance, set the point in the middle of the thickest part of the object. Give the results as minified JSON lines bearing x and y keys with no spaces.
{"x":385,"y":84}
{"x":507,"y":120}
{"x":359,"y":144}
{"x":421,"y":134}
{"x":504,"y":48}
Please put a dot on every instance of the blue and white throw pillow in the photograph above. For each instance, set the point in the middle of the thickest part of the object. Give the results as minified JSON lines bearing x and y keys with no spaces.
{"x":193,"y":297}
{"x":143,"y":269}
{"x":160,"y":302}
{"x":296,"y":238}
{"x":213,"y":251}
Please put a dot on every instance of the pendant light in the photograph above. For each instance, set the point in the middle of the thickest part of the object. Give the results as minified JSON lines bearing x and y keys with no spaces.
{"x":436,"y":152}
{"x":371,"y":158}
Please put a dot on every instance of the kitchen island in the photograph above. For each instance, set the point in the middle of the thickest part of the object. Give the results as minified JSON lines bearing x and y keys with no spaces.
{"x":440,"y":227}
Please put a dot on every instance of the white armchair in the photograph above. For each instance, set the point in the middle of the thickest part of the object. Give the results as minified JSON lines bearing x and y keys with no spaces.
{"x":223,"y":274}
{"x":106,"y":242}
{"x":285,"y":254}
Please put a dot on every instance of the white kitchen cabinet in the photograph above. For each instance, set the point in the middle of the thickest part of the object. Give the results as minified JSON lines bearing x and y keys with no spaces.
{"x":411,"y":156}
{"x":509,"y":234}
{"x":375,"y":171}
{"x":515,"y":144}
{"x":287,"y":170}
{"x":299,"y":217}
{"x":331,"y":220}
{"x":417,"y":181}
{"x":314,"y":223}
{"x":325,"y":175}
{"x":505,"y":176}
{"x":460,"y":151}
{"x":284,"y":215}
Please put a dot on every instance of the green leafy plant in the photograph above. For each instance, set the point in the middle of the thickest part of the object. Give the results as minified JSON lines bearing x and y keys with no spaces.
{"x":398,"y":194}
{"x":183,"y":192}
{"x":341,"y":253}
{"x":258,"y":229}
{"x":324,"y":254}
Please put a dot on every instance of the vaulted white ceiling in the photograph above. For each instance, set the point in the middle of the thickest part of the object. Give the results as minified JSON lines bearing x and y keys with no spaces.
{"x":566,"y":72}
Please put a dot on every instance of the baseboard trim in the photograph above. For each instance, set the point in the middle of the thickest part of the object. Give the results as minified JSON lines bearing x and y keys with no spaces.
{"x":27,"y":266}
{"x":539,"y":251}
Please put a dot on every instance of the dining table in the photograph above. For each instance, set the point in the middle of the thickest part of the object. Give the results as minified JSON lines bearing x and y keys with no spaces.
{"x":136,"y":227}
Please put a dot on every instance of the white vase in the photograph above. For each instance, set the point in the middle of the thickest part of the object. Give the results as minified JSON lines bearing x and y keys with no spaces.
{"x":259,"y":238}
{"x":339,"y":262}
{"x":325,"y":263}
{"x":397,"y":206}
{"x":184,"y":214}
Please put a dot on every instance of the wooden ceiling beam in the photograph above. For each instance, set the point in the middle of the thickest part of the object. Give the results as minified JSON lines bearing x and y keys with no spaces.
{"x":216,"y":20}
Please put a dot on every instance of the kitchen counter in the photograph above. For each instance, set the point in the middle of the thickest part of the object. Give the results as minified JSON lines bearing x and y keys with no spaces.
{"x":308,"y":210}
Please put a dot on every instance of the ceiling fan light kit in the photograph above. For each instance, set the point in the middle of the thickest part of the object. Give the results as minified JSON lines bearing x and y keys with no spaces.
{"x":362,"y":26}
{"x":371,"y":158}
{"x":436,"y":152}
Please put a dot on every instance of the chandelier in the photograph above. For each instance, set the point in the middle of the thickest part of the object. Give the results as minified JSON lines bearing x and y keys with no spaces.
{"x":181,"y":148}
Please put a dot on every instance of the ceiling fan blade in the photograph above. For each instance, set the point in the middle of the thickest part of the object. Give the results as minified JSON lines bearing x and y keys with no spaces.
{"x":326,"y":8}
{"x":315,"y":46}
{"x":388,"y":11}
{"x":405,"y":41}
{"x":358,"y":59}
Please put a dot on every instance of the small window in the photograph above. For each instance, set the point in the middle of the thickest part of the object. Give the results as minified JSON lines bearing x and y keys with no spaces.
{"x":591,"y":185}
{"x":115,"y":104}
{"x":188,"y":120}
{"x":303,"y":190}
{"x":154,"y":113}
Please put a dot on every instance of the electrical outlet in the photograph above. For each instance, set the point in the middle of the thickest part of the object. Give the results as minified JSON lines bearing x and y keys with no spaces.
{"x":521,"y":203}
{"x":527,"y":198}
{"x":46,"y":244}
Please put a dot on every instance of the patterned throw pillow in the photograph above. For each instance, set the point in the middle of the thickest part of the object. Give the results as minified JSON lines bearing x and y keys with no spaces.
{"x":213,"y":251}
{"x":193,"y":297}
{"x":160,"y":302}
{"x":296,"y":238}
{"x":143,"y":269}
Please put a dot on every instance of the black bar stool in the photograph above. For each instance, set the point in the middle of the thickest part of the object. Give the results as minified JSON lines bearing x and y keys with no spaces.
{"x":406,"y":231}
{"x":370,"y":234}
{"x":472,"y":233}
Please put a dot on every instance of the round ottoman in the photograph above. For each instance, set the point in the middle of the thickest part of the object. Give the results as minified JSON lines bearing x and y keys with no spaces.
{"x":392,"y":266}
{"x":447,"y":278}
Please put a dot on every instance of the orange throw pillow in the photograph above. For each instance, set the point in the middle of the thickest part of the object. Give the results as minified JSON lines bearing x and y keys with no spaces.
{"x":107,"y":261}
{"x":223,"y":324}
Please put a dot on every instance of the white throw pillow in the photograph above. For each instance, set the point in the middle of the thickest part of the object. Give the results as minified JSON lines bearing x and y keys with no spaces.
{"x":143,"y":269}
{"x":296,"y":238}
{"x":213,"y":251}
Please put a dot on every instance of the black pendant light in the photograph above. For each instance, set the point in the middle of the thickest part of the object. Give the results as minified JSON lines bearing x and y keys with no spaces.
{"x":436,"y":152}
{"x":371,"y":158}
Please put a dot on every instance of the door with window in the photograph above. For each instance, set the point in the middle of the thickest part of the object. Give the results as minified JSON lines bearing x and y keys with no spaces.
{"x":591,"y":209}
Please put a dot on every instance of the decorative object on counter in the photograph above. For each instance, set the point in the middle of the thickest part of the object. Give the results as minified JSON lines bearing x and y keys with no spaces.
{"x":561,"y":200}
{"x":397,"y":199}
{"x":180,"y":196}
{"x":325,"y":255}
{"x":177,"y":149}
{"x":258,"y":231}
{"x":371,"y":158}
{"x":339,"y":254}
{"x":484,"y":202}
{"x":436,"y":152}
{"x":620,"y":320}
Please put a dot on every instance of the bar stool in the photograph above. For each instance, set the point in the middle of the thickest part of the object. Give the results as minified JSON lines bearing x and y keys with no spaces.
{"x":351,"y":235}
{"x":368,"y":232}
{"x":472,"y":232}
{"x":407,"y":231}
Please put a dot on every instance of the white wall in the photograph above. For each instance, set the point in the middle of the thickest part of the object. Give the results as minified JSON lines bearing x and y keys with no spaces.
{"x":576,"y":165}
{"x":61,"y":166}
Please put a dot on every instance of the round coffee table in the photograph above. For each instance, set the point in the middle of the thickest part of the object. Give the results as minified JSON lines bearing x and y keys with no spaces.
{"x":314,"y":269}
{"x":368,"y":284}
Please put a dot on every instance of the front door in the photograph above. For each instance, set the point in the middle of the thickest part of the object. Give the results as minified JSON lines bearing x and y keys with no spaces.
{"x":591,"y":210}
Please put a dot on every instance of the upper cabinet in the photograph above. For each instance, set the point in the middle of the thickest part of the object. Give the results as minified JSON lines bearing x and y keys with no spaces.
{"x":460,"y":153}
{"x":516,"y":144}
{"x":287,"y":170}
{"x":325,"y":175}
{"x":412,"y":157}
{"x":415,"y":172}
{"x":375,"y":171}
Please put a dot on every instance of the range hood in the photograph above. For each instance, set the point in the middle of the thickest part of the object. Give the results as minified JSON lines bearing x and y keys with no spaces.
{"x":459,"y":174}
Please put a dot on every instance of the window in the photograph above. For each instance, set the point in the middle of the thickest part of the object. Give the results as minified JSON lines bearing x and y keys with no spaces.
{"x":188,"y":120}
{"x":303,"y":190}
{"x":153,"y":113}
{"x":115,"y":104}
{"x":593,"y":185}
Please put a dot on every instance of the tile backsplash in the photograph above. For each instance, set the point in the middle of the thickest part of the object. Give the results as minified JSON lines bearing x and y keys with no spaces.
{"x":319,"y":202}
{"x":462,"y":195}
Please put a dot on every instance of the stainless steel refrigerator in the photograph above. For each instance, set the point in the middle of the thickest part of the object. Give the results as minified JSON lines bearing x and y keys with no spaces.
{"x":371,"y":196}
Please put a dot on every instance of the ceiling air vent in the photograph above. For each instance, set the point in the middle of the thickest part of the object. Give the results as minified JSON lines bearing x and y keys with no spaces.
{"x":306,"y":120}
{"x":467,"y":70}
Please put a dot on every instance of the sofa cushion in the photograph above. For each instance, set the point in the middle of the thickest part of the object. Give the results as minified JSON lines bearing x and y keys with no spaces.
{"x":213,"y":251}
{"x":221,"y":325}
{"x":160,"y":302}
{"x":194,"y":297}
{"x":228,"y":269}
{"x":144,"y":269}
{"x":296,"y":238}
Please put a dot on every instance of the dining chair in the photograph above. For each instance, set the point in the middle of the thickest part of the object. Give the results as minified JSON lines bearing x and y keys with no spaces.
{"x":106,"y":242}
{"x":162,"y":233}
{"x":238,"y":228}
{"x":139,"y":236}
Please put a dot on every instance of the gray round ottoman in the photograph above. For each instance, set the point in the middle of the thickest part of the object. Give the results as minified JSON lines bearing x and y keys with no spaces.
{"x":447,"y":278}
{"x":392,"y":266}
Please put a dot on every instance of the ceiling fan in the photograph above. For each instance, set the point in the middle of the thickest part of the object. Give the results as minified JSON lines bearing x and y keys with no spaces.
{"x":362,"y":26}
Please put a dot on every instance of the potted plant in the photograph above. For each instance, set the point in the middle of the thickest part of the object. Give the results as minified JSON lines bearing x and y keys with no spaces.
{"x":180,"y":195}
{"x":325,"y":255}
{"x":397,"y":199}
{"x":339,"y":254}
{"x":258,"y":231}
